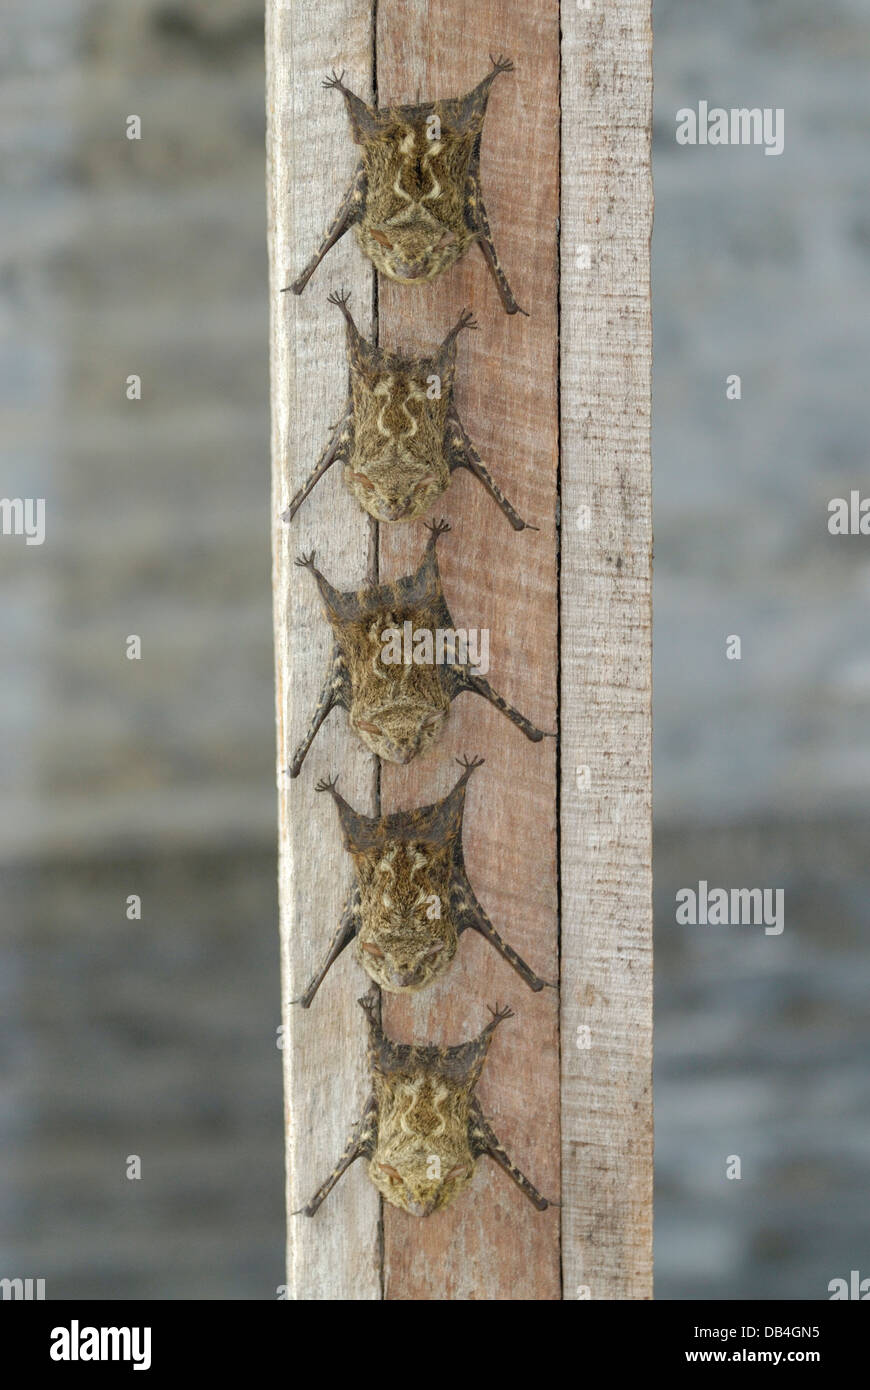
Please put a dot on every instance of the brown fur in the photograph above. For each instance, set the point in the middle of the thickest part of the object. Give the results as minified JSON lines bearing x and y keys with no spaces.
{"x":422,"y":1129}
{"x":397,"y":710}
{"x":400,"y":436}
{"x":411,"y":898}
{"x":415,"y":202}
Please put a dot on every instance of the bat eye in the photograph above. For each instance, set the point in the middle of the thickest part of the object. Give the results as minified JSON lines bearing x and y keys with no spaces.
{"x":456,"y":1172}
{"x":424,"y":482}
{"x":384,"y":240}
{"x":366,"y":482}
{"x":366,"y":727}
{"x":390,"y":1172}
{"x":372,"y":949}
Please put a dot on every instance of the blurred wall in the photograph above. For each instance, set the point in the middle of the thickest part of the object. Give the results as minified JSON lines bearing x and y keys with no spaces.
{"x":761,"y":267}
{"x":153,"y":777}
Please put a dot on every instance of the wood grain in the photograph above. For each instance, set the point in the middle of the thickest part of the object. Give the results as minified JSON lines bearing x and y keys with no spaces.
{"x":311,"y":159}
{"x":606,"y":851}
{"x":492,"y":1244}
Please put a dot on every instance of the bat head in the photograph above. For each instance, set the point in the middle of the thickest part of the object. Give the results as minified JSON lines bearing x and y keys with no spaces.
{"x":413,"y":246}
{"x":422,"y":1173}
{"x":397,"y":486}
{"x":399,"y":732}
{"x":404,"y":960}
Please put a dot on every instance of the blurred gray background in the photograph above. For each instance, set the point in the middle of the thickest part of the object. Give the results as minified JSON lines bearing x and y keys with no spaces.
{"x":761,"y":267}
{"x":156,"y":777}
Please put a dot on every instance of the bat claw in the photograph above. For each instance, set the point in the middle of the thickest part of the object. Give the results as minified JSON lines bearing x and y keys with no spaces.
{"x":369,"y":1001}
{"x":438,"y":528}
{"x":502,"y":64}
{"x":498,"y":1015}
{"x":334,"y":79}
{"x":470,"y":763}
{"x":306,"y":562}
{"x":326,"y":784}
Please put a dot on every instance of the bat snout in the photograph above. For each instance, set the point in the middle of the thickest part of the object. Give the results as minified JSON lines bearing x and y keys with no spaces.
{"x":421,"y":1208}
{"x":394,"y":511}
{"x":415,"y":270}
{"x":406,"y":979}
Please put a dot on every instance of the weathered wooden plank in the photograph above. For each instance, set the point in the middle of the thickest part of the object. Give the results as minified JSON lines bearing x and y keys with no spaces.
{"x":492,"y":1244}
{"x":605,"y":646}
{"x":311,"y":158}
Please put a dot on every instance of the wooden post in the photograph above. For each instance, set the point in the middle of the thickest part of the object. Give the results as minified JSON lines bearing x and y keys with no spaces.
{"x":606,"y":555}
{"x":575,"y":598}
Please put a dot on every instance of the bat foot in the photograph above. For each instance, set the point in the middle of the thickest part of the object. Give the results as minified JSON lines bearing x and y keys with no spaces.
{"x":369,"y":1004}
{"x":438,"y":528}
{"x":470,"y":763}
{"x":499,"y":1015}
